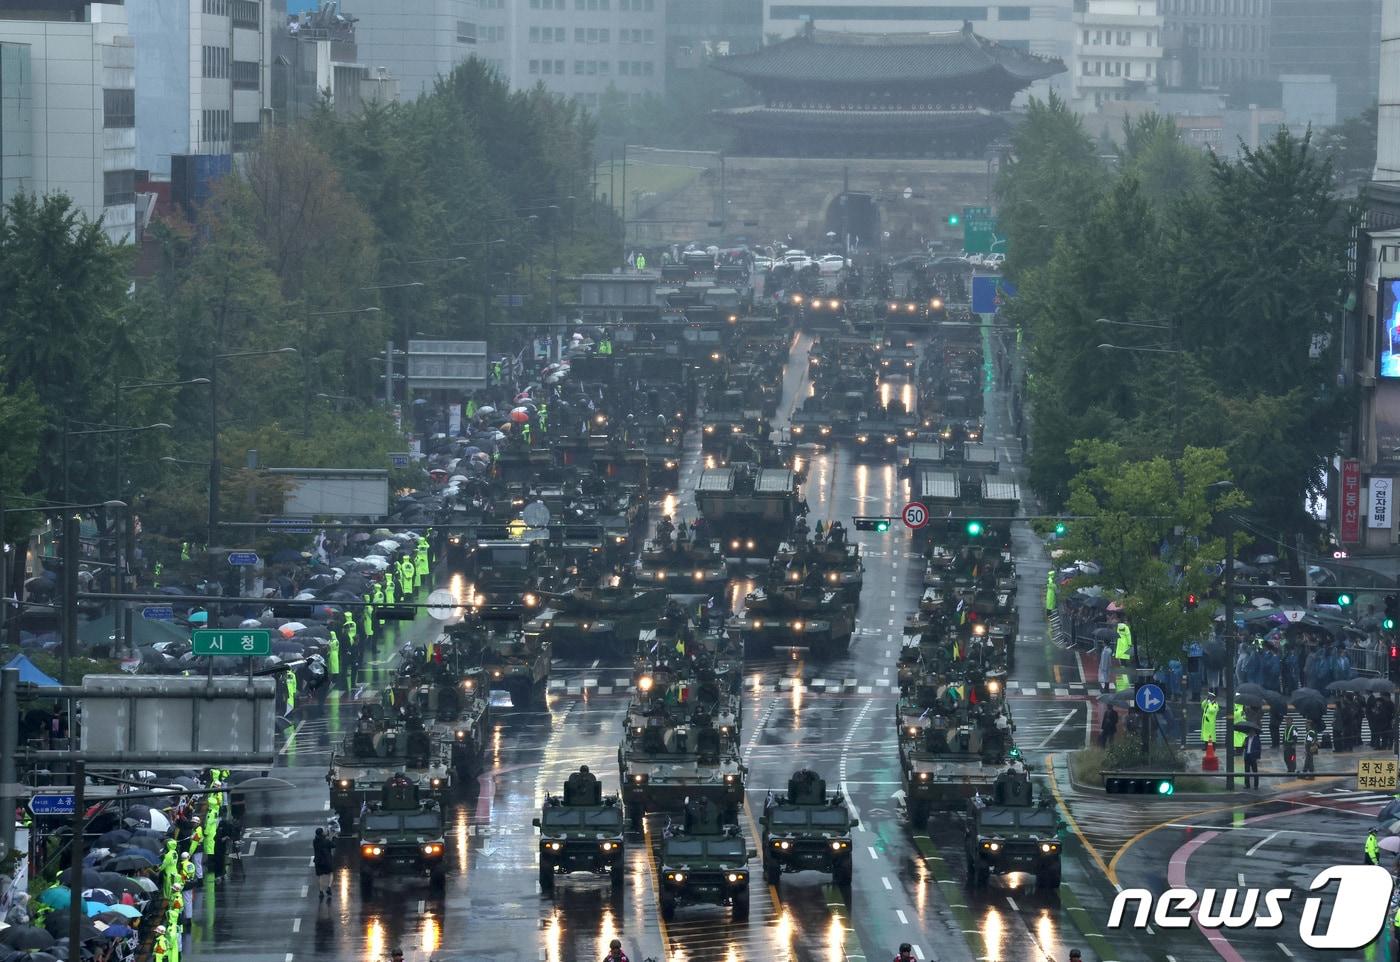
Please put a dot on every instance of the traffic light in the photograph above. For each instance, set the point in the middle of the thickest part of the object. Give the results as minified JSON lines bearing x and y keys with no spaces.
{"x":1392,"y":611}
{"x":1388,"y":624}
{"x":1394,"y":664}
{"x":974,"y":529}
{"x":1060,"y":529}
{"x":1161,"y":787}
{"x":872,"y":524}
{"x":1344,"y":599}
{"x":1192,"y":601}
{"x":954,"y":220}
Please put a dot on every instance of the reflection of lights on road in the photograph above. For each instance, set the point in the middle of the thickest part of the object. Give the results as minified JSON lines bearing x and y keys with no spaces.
{"x":496,"y":746}
{"x":836,"y":940}
{"x":993,"y":932}
{"x":668,"y":504}
{"x":906,"y":397}
{"x":921,"y":891}
{"x":432,"y":935}
{"x":862,"y":480}
{"x":1045,"y":929}
{"x":796,"y":703}
{"x":374,"y":940}
{"x":784,"y":933}
{"x":459,"y":588}
{"x":553,"y":938}
{"x":460,"y":824}
{"x":607,"y":931}
{"x":884,"y":394}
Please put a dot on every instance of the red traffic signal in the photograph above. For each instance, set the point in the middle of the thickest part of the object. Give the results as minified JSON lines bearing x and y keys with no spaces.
{"x":1191,"y":601}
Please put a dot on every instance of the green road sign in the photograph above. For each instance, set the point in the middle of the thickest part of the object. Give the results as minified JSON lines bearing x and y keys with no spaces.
{"x":979,"y":231}
{"x":242,"y":642}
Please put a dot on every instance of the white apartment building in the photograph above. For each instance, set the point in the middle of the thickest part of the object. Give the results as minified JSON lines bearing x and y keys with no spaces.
{"x":416,"y":41}
{"x":203,"y":80}
{"x":577,"y":48}
{"x":1117,"y":52}
{"x":1388,"y":111}
{"x":67,"y":113}
{"x":1041,"y":27}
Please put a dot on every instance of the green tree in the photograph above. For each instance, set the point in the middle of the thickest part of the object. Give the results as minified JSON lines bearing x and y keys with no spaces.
{"x":21,"y":426}
{"x":1048,"y":184}
{"x":1149,"y":524}
{"x":1167,"y":168}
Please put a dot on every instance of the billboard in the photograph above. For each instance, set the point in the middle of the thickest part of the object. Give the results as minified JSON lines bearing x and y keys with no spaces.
{"x":219,"y":716}
{"x":333,"y":492}
{"x":1388,"y":348}
{"x":1349,"y":510}
{"x":446,"y":365}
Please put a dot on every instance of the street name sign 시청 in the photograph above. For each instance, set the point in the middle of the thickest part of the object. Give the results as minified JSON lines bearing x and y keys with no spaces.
{"x":158,"y":613}
{"x":1149,"y":698}
{"x":243,"y":559}
{"x":1377,"y":774}
{"x":52,"y":803}
{"x":243,"y":642}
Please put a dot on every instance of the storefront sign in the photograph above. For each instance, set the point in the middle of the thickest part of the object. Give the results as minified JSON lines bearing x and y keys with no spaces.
{"x":1349,"y":511}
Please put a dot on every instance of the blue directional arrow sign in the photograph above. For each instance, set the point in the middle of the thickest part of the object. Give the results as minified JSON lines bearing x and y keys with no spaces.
{"x":242,"y":559}
{"x":1149,"y":698}
{"x":51,"y":804}
{"x":158,"y":613}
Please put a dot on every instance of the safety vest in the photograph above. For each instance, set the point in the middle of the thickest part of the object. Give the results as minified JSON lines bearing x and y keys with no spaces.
{"x":291,"y":690}
{"x":1050,"y":598}
{"x":1209,"y":711}
{"x":471,"y":407}
{"x":525,"y":431}
{"x":368,"y":622}
{"x":1373,"y":849}
{"x":333,"y":651}
{"x":211,"y":831}
{"x":420,"y":565}
{"x":1124,"y":649}
{"x":1239,"y":720}
{"x":388,"y":587}
{"x":184,"y":551}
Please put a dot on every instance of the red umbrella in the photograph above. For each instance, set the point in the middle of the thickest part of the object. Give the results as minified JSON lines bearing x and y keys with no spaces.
{"x":520,"y":415}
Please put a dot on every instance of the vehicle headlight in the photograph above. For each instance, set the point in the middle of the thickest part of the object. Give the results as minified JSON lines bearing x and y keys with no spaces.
{"x":992,"y":686}
{"x":709,"y":429}
{"x":838,"y":845}
{"x":608,"y":846}
{"x":675,"y":876}
{"x":432,"y":848}
{"x":644,"y":684}
{"x":923,"y":776}
{"x":783,"y":845}
{"x":831,"y":576}
{"x":618,"y":539}
{"x":994,"y":846}
{"x":862,"y":438}
{"x":638,"y":779}
{"x":734,"y":544}
{"x":531,"y":599}
{"x":345,"y":783}
{"x":699,"y":576}
{"x":737,"y":876}
{"x":468,"y":684}
{"x":1048,"y":847}
{"x":369,"y":851}
{"x":797,"y":626}
{"x":600,"y":419}
{"x":437,"y":783}
{"x":461,"y":735}
{"x":496,"y":673}
{"x":555,"y":846}
{"x":758,"y":623}
{"x":730,"y":778}
{"x":911,"y":731}
{"x":735,"y":428}
{"x":749,"y":545}
{"x":670,"y":464}
{"x":661,"y":576}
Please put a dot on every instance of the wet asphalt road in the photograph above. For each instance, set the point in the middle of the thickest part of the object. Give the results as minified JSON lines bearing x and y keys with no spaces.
{"x":832,"y":716}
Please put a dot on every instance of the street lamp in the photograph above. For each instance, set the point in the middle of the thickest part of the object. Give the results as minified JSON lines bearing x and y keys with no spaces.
{"x":117,"y":390}
{"x":213,"y":521}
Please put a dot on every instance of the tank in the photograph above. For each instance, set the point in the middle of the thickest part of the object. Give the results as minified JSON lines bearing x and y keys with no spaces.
{"x":500,"y":653}
{"x":704,"y":861}
{"x":785,"y":615}
{"x":602,"y":618}
{"x":832,"y":563}
{"x":676,"y":561}
{"x":581,"y":831}
{"x":949,"y":752}
{"x":807,"y":830}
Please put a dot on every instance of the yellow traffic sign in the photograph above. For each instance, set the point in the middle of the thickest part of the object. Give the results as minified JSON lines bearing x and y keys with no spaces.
{"x":1377,"y":774}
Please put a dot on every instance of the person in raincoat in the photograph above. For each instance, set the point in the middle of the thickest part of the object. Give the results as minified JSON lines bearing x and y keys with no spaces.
{"x":169,"y":869}
{"x":290,"y":680}
{"x":352,"y":632}
{"x":388,"y":590}
{"x":420,"y":564}
{"x":1239,"y":732}
{"x":1050,"y":599}
{"x":1210,"y":709}
{"x":367,"y":617}
{"x":1123,"y":648}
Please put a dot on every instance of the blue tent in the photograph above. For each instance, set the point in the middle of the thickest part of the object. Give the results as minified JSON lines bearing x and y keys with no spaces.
{"x":29,"y":674}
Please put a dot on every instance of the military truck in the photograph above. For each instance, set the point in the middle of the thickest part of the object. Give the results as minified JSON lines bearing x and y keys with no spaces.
{"x":456,"y":709}
{"x":602,"y":618}
{"x":948,"y":754}
{"x":671,"y":752}
{"x":807,"y":830}
{"x":388,"y":739}
{"x":1010,"y":833}
{"x":696,"y":662}
{"x":581,"y":831}
{"x":748,"y":509}
{"x":505,"y":572}
{"x":704,"y":861}
{"x":510,"y":656}
{"x":402,"y":834}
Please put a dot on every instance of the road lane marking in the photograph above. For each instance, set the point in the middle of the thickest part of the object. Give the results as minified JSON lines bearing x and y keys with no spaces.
{"x":873,"y":854}
{"x":888,"y":886}
{"x":1284,"y":949}
{"x":1260,"y":844}
{"x":296,"y":925}
{"x":1240,"y":876}
{"x":1056,"y":730}
{"x":304,"y":890}
{"x":1012,"y":902}
{"x":902,"y":919}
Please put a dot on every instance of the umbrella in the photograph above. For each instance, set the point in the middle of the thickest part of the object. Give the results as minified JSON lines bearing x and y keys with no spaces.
{"x":26,"y":937}
{"x":199,"y":618}
{"x":58,"y":897}
{"x":1390,"y":844}
{"x":135,"y":851}
{"x":1309,"y":701}
{"x":1250,"y":699}
{"x":114,"y":838}
{"x":116,"y":931}
{"x":1246,"y":726}
{"x":1379,"y":685}
{"x":150,"y":843}
{"x":1390,"y":812}
{"x":126,"y":911}
{"x":1104,"y":634}
{"x":90,"y":877}
{"x":128,"y":863}
{"x":1121,"y":699}
{"x":103,"y":897}
{"x":1347,"y":684}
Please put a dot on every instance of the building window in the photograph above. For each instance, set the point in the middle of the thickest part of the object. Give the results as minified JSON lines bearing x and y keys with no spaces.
{"x":216,"y":127}
{"x":1013,"y":13}
{"x":851,"y":11}
{"x":216,"y":63}
{"x":118,"y":187}
{"x":216,"y":8}
{"x":245,"y":135}
{"x":246,"y":14}
{"x":623,"y":68}
{"x":246,"y":75}
{"x":118,"y":108}
{"x":466,"y":31}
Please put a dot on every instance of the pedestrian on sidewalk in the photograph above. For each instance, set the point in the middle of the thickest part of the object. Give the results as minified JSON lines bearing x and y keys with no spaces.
{"x":323,"y":859}
{"x":1290,"y":748}
{"x":1253,"y":748}
{"x":1108,"y":728}
{"x":1105,"y":666}
{"x":1310,"y":746}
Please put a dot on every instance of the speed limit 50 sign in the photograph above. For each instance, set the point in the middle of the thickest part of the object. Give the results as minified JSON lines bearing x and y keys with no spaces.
{"x":915,"y":515}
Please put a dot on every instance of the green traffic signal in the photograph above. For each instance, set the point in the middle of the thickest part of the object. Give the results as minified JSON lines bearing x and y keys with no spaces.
{"x":1166,"y":787}
{"x":1060,"y":529}
{"x":954,"y":220}
{"x":882,"y":526}
{"x":974,"y":529}
{"x":1161,"y":787}
{"x":1388,"y":624}
{"x":1343,"y":599}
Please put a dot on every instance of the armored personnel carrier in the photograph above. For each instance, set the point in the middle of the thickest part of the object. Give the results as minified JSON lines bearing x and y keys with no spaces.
{"x":950,"y":752}
{"x":696,"y":665}
{"x":780,"y":614}
{"x":1010,"y":833}
{"x":704,"y":861}
{"x":807,"y":830}
{"x":581,"y":831}
{"x":673,"y":749}
{"x":388,"y":739}
{"x":501,"y":654}
{"x":604,"y":617}
{"x":402,"y":834}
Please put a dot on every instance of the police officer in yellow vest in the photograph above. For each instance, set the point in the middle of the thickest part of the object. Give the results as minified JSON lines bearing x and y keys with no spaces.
{"x":420,"y":562}
{"x":333,"y":652}
{"x":1239,"y":733}
{"x":388,"y":589}
{"x":378,"y":599}
{"x":405,"y":570}
{"x":367,"y":618}
{"x":1373,"y":848}
{"x":1050,"y":598}
{"x":1123,"y":650}
{"x":1209,"y":710}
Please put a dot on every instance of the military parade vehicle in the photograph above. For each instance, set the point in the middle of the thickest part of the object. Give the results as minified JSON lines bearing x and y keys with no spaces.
{"x":950,"y":750}
{"x":581,"y":831}
{"x":603,"y":616}
{"x":704,"y":861}
{"x":807,"y":830}
{"x":493,"y":640}
{"x":674,"y":747}
{"x":813,"y":422}
{"x":401,"y":833}
{"x":824,"y":561}
{"x":676,"y":561}
{"x":783,"y":614}
{"x":506,"y":572}
{"x":1009,"y":833}
{"x":689,"y":650}
{"x":389,"y":738}
{"x":452,"y":696}
{"x":748,"y":509}
{"x":731,"y":412}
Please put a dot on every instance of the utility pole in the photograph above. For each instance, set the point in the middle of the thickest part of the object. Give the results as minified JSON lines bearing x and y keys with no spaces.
{"x":69,"y":615}
{"x":9,"y":744}
{"x":76,"y":851}
{"x":1230,"y":652}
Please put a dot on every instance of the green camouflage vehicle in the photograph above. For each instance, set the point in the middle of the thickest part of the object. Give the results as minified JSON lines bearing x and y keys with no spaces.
{"x":581,"y":832}
{"x":389,"y":739}
{"x":805,"y":830}
{"x":1011,"y":834}
{"x":402,"y":834}
{"x":500,"y":653}
{"x":704,"y":862}
{"x":946,"y":756}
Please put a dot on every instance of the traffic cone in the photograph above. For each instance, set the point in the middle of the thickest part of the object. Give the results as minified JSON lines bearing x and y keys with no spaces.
{"x":1210,"y":763}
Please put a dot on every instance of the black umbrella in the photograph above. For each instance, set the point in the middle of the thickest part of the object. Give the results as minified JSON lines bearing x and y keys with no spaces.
{"x":1104,"y":634}
{"x":1249,"y":699}
{"x":1120,"y":699}
{"x":126,"y":863}
{"x":116,"y":837}
{"x":26,"y":937}
{"x":1309,"y":702}
{"x":90,"y":878}
{"x":1246,"y":726}
{"x":1379,"y":685}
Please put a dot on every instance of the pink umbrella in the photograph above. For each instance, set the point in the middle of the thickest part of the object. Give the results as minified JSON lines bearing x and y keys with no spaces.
{"x":522,"y":396}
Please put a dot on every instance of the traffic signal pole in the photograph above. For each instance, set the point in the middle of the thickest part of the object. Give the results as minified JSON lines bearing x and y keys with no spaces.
{"x":1230,"y":653}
